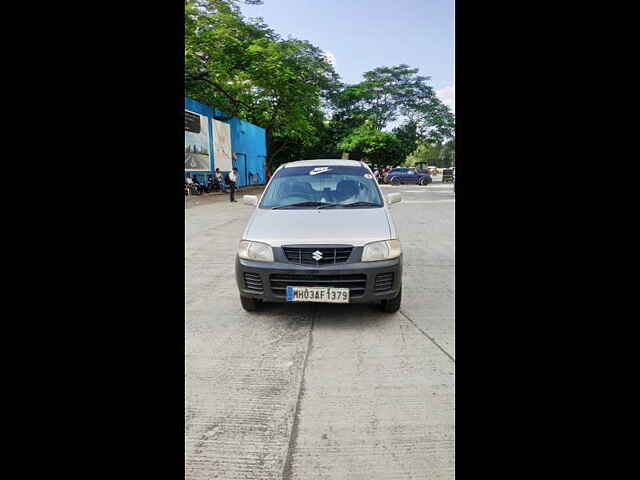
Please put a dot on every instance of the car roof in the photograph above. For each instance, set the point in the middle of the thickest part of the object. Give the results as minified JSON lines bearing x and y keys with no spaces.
{"x":323,"y":162}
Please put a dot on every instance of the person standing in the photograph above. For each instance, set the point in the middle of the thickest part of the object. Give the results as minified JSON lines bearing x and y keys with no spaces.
{"x":231,"y":179}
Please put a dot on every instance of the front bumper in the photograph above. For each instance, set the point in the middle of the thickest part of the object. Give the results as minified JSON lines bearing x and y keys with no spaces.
{"x":368,"y":282}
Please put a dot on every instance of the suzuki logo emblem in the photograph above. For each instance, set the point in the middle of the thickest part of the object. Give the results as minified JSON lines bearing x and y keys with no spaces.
{"x":317,"y":255}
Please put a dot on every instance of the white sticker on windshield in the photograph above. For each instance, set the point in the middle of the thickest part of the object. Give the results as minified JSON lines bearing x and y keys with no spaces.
{"x":368,"y":175}
{"x":318,"y":170}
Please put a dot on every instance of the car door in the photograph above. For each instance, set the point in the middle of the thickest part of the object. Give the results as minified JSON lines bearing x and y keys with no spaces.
{"x":396,"y":173}
{"x":404,"y":175}
{"x":411,"y":176}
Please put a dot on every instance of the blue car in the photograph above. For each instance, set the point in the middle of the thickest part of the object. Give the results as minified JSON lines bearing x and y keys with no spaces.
{"x":401,"y":176}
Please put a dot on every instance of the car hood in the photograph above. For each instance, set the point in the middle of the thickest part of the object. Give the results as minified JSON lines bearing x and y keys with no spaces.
{"x":356,"y":226}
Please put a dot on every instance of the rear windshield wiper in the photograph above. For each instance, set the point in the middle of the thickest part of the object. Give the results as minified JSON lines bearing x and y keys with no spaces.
{"x":302,"y":204}
{"x":361,"y":204}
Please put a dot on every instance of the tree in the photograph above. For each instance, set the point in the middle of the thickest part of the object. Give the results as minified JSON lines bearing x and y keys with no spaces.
{"x":385,"y":96}
{"x":287,"y":86}
{"x":388,"y":94}
{"x":425,"y":153}
{"x":246,"y":70}
{"x":408,"y":136}
{"x":377,"y":147}
{"x":432,"y":153}
{"x":449,"y":152}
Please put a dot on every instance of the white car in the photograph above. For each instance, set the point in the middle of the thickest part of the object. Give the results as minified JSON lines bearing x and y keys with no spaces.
{"x":322,"y":231}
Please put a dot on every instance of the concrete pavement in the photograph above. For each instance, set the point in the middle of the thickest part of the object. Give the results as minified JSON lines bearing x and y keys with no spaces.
{"x":315,"y":391}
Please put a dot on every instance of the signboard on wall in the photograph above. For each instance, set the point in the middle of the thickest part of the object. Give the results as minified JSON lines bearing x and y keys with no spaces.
{"x":197,"y":157}
{"x":222,"y":145}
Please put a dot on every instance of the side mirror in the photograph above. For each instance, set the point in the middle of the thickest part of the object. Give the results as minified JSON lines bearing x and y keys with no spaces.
{"x":394,"y":198}
{"x":250,"y":200}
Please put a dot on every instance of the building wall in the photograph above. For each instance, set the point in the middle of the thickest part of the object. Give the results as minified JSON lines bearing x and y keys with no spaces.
{"x":249,"y":146}
{"x":248,"y":143}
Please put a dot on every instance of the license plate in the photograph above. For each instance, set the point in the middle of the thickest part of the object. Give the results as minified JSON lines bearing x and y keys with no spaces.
{"x":318,"y":294}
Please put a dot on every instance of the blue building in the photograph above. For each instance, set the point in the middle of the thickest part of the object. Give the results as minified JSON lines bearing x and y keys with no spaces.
{"x":248,"y":146}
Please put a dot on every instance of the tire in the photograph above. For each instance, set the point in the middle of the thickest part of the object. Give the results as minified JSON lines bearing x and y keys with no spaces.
{"x":249,"y":304}
{"x":395,"y":181}
{"x":393,"y":304}
{"x":423,"y":182}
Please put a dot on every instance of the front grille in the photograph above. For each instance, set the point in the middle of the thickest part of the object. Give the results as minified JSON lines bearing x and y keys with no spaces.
{"x":305,"y":255}
{"x":253,"y":282}
{"x":384,"y":282}
{"x":356,"y":283}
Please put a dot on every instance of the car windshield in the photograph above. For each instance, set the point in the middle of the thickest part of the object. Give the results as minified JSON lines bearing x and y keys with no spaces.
{"x":316,"y":186}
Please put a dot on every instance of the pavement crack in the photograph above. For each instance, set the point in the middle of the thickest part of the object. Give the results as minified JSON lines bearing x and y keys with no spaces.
{"x":288,"y":462}
{"x":428,"y":336}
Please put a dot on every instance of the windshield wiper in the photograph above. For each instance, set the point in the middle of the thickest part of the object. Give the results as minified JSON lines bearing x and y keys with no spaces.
{"x":301,"y":204}
{"x":348,"y":205}
{"x":361,"y":204}
{"x":327,"y":205}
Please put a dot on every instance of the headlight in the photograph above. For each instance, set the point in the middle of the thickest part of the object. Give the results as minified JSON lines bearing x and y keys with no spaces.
{"x":255,"y":251}
{"x":384,"y":250}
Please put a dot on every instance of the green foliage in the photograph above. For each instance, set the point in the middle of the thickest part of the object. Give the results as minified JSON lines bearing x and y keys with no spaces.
{"x":432,"y":153}
{"x":387,"y":95}
{"x":247,"y":70}
{"x":408,"y":136}
{"x":288,"y":87}
{"x":373,"y":145}
{"x":390,"y":93}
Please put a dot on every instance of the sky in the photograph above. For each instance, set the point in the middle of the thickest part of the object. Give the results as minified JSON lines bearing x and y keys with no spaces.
{"x":360,"y":35}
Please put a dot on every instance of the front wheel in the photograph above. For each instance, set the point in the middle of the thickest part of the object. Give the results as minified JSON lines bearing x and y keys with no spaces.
{"x":249,"y":304}
{"x":393,"y":304}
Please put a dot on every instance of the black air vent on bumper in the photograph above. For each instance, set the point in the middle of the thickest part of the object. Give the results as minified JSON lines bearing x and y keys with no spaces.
{"x":384,"y":282}
{"x":253,"y":282}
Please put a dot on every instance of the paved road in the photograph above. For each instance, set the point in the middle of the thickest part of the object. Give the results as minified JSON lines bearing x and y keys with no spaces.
{"x":313,"y":391}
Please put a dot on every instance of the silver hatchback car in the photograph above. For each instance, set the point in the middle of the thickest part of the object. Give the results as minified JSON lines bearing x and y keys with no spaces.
{"x":321,"y":232}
